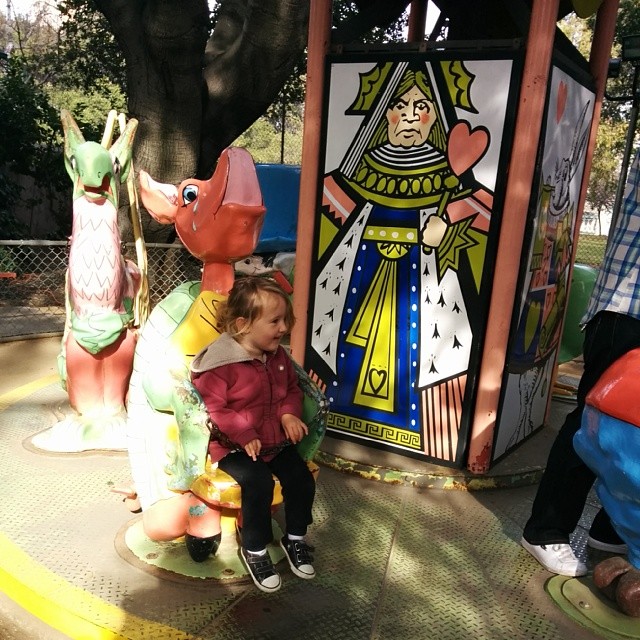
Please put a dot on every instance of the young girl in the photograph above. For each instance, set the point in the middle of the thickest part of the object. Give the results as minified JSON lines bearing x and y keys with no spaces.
{"x":250,"y":388}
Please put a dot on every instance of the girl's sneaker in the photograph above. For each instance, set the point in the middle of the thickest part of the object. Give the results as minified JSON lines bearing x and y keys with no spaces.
{"x":261,"y":570}
{"x":298,"y":554}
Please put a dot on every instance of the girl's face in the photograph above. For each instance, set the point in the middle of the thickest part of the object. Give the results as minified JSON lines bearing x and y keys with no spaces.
{"x":267,"y":329}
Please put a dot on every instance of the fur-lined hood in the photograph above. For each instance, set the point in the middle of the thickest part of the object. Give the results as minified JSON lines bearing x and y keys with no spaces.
{"x":224,"y":350}
{"x":246,"y":398}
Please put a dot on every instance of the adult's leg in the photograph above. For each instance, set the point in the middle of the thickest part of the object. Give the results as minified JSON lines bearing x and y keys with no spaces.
{"x":298,"y":489}
{"x":566,"y":482}
{"x":256,"y":485}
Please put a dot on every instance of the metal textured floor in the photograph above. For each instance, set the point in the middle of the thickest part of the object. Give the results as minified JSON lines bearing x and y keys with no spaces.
{"x":394,"y":562}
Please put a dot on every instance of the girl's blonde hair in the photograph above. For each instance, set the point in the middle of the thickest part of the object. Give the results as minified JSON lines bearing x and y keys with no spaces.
{"x":247,"y":300}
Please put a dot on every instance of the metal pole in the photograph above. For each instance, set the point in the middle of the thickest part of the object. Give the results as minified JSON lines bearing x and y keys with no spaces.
{"x":283,"y":122}
{"x":631,"y":132}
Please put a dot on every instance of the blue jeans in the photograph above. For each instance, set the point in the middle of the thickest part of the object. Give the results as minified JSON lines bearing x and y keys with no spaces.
{"x":256,"y":491}
{"x":567,"y":480}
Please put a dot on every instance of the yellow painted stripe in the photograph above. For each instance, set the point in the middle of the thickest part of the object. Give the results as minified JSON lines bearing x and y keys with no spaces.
{"x":69,"y":609}
{"x":15,"y":395}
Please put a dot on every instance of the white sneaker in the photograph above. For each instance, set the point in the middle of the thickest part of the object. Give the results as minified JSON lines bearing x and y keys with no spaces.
{"x":556,"y":558}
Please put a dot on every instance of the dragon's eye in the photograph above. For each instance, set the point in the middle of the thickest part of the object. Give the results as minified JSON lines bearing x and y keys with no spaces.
{"x":116,"y":167}
{"x":189,"y":193}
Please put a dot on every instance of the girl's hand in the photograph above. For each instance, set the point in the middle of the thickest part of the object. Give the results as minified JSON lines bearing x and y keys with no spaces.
{"x":253,"y":448}
{"x":294,"y":428}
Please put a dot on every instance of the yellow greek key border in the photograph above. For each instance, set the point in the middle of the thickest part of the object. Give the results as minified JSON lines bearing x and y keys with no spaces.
{"x":374,"y":430}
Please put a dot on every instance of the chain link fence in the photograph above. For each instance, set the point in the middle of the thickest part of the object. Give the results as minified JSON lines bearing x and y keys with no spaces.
{"x":590,"y":250}
{"x":32,"y":281}
{"x":276,"y":140}
{"x":592,"y":240}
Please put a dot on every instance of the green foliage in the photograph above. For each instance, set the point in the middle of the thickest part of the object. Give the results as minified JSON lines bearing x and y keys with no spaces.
{"x":7,"y":263}
{"x":293,"y":90}
{"x":27,"y":120}
{"x":614,"y":118}
{"x":31,"y":137}
{"x":264,"y":139}
{"x":605,"y":168}
{"x":87,"y":52}
{"x":627,"y":24}
{"x":29,"y":37}
{"x":579,"y":32}
{"x":11,"y":228}
{"x":345,"y":9}
{"x":80,"y":71}
{"x":90,"y":108}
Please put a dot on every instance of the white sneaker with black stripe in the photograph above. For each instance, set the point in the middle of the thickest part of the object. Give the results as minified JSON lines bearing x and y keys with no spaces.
{"x":557,"y":558}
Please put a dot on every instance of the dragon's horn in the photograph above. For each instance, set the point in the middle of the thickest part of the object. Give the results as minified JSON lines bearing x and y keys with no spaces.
{"x":73,"y":138}
{"x":72,"y":135}
{"x":122,"y":148}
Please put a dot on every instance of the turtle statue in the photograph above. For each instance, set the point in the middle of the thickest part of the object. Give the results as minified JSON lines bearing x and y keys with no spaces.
{"x":219,"y":221}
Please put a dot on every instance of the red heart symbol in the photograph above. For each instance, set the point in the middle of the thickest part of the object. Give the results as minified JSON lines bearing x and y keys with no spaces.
{"x":561,"y":101}
{"x":466,"y":147}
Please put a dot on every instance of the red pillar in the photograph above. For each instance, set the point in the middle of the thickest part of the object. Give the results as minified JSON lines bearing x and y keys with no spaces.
{"x":531,"y":108}
{"x":318,"y":46}
{"x":599,"y":65}
{"x":417,"y":20}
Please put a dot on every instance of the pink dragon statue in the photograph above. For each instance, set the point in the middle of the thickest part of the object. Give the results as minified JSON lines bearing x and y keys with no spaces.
{"x":98,"y":344}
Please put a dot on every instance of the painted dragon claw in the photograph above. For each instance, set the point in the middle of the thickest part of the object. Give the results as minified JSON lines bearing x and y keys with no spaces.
{"x":78,"y":433}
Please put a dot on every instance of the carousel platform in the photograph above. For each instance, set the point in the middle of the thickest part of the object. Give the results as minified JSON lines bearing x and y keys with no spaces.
{"x":404,"y":550}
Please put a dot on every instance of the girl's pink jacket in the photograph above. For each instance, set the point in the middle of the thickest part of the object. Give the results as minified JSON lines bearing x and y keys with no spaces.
{"x":246,"y":398}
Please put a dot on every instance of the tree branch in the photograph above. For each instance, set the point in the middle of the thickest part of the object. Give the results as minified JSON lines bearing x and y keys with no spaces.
{"x":250,"y":55}
{"x":371,"y":13}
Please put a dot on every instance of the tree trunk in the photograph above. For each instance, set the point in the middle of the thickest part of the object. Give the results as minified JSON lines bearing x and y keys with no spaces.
{"x":251,"y":54}
{"x":599,"y":221}
{"x":192,"y":94}
{"x":163,"y":45}
{"x":170,"y":84}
